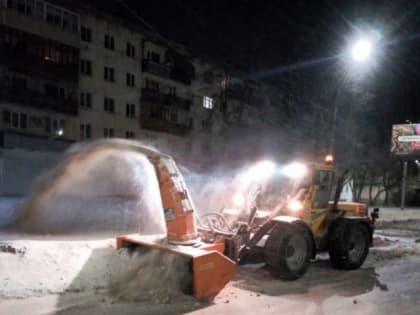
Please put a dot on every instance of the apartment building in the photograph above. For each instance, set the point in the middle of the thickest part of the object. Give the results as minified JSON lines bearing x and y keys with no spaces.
{"x":39,"y":58}
{"x":166,"y":96}
{"x":109,"y":78}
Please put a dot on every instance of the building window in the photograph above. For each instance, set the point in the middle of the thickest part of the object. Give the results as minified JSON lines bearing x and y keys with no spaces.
{"x":108,"y":132}
{"x":85,"y":131}
{"x":172,"y":91}
{"x":85,"y":100}
{"x":152,"y":85}
{"x":85,"y":66}
{"x":130,"y":50}
{"x":130,"y":79}
{"x":130,"y":110}
{"x":54,"y":126}
{"x":61,"y":18}
{"x":109,"y":105}
{"x":109,"y":42}
{"x":86,"y":34}
{"x":153,"y":56}
{"x":15,"y":119}
{"x":55,"y":91}
{"x":109,"y":74}
{"x":208,"y":102}
{"x":130,"y":135}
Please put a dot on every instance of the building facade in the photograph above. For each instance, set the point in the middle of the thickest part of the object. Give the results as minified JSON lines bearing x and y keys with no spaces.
{"x":109,"y":79}
{"x":72,"y":72}
{"x":39,"y":59}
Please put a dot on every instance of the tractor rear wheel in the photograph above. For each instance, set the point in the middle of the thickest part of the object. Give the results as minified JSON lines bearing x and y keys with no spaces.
{"x":348,"y":244}
{"x":288,"y":251}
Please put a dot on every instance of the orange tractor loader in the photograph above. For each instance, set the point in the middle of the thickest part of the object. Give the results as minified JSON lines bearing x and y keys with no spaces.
{"x":286,"y":238}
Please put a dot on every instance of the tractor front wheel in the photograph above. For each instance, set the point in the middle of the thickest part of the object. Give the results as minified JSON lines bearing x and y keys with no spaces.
{"x":348,"y":244}
{"x":288,"y":251}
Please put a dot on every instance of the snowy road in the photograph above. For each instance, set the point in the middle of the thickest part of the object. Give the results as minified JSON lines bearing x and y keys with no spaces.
{"x":71,"y":278}
{"x":73,"y":275}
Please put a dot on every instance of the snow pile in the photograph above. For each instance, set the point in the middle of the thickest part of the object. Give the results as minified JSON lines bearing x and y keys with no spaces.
{"x":155,"y":278}
{"x":101,"y":186}
{"x":36,"y":268}
{"x":390,"y":248}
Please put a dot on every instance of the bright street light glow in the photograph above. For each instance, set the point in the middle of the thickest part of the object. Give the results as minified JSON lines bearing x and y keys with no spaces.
{"x":60,"y":132}
{"x":362,"y":50}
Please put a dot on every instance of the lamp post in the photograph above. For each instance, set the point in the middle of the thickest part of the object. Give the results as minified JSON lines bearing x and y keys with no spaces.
{"x":360,"y":52}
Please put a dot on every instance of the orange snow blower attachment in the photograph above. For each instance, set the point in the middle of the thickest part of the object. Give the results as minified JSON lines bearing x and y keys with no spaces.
{"x":210,"y":269}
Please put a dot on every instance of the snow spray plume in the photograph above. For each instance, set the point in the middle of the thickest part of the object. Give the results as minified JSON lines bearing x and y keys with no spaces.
{"x":106,"y":185}
{"x":218,"y":190}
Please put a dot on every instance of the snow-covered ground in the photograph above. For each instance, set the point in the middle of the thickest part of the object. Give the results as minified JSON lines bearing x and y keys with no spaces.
{"x":394,"y":213}
{"x":63,"y":275}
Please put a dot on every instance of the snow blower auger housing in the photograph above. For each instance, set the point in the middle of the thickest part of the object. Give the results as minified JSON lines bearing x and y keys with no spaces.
{"x":210,"y":269}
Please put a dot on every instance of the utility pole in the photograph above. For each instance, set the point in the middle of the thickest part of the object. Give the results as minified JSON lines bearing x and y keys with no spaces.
{"x":224,"y":88}
{"x":403,"y":185}
{"x":334,"y":124}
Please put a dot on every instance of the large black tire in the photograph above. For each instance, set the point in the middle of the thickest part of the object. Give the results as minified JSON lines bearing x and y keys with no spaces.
{"x":348,"y":244}
{"x":288,"y":251}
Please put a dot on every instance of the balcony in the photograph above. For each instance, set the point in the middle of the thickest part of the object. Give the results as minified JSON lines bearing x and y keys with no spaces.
{"x":37,"y":100}
{"x":42,"y":18}
{"x":33,"y":65}
{"x":182,"y":70}
{"x":155,"y":68}
{"x":157,"y":124}
{"x":161,"y":112}
{"x":165,"y":99}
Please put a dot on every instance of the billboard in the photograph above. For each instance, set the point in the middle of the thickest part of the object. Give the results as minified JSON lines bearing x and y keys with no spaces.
{"x":405,"y":139}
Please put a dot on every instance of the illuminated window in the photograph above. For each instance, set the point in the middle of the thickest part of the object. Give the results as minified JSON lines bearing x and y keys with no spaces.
{"x":208,"y":102}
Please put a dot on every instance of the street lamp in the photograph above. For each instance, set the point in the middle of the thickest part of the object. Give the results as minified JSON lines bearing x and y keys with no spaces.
{"x":361,"y":50}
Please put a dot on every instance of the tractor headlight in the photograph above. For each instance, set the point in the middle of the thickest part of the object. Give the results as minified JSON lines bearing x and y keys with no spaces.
{"x":295,"y":205}
{"x":295,"y":170}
